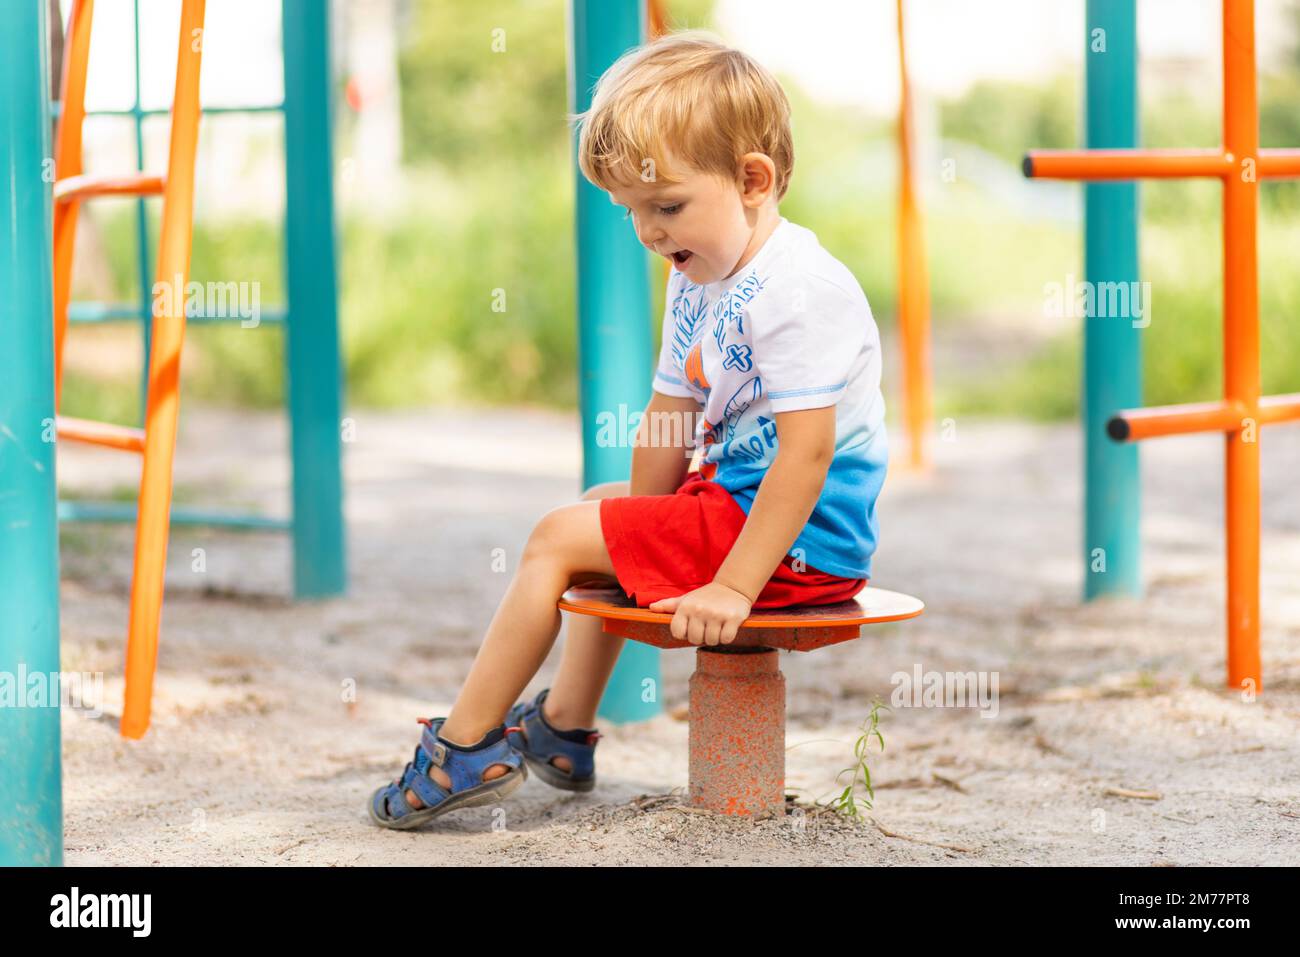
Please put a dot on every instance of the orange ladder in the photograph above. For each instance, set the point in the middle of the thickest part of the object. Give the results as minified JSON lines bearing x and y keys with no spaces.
{"x":156,"y":442}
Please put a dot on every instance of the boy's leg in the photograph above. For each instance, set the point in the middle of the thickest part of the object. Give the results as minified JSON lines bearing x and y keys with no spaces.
{"x":586,"y":660}
{"x":565,"y":547}
{"x":588,"y":656}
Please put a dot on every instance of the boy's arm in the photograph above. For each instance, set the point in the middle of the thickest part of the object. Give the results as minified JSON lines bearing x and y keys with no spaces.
{"x":785,"y":499}
{"x":670,"y":421}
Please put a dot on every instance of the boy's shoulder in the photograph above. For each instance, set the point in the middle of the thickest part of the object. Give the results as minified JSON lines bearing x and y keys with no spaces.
{"x":791,"y":273}
{"x":801,"y":284}
{"x":807,"y":263}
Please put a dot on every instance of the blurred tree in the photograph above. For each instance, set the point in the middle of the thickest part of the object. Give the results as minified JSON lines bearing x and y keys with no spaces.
{"x":484,"y":79}
{"x":488,"y":80}
{"x":1009,"y":118}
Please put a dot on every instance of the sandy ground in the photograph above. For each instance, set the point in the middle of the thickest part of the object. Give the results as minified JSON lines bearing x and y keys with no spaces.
{"x":254,"y":758}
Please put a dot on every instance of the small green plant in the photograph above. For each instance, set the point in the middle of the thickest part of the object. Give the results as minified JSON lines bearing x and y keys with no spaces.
{"x":848,"y":801}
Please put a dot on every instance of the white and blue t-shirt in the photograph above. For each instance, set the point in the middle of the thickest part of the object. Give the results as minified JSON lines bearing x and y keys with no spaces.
{"x":791,"y":330}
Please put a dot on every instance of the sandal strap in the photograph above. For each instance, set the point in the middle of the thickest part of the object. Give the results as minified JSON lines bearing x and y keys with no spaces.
{"x":464,"y":768}
{"x":543,"y":743}
{"x":417,"y":779}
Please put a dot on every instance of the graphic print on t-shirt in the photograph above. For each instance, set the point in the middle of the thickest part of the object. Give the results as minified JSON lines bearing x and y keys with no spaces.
{"x":791,"y":330}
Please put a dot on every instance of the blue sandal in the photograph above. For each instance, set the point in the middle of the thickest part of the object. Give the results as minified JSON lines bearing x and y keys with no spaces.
{"x":465,"y":766}
{"x":532,"y":736}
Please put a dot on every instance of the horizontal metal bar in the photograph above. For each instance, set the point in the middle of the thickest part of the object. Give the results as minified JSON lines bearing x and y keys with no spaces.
{"x":1279,"y":164}
{"x":99,"y":312}
{"x":1126,"y":164}
{"x":1133,"y":425}
{"x":106,"y":434}
{"x":1279,"y":408}
{"x":78,"y":511}
{"x":56,"y":108}
{"x":102,"y":312}
{"x":85,"y":186}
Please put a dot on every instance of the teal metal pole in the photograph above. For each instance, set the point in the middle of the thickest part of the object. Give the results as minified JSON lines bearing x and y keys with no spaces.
{"x":144,"y":264}
{"x":1112,"y":351}
{"x":31,"y":781}
{"x":315,"y":371}
{"x":614,"y":338}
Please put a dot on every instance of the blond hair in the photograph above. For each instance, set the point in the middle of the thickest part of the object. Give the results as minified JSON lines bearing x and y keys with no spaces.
{"x":689,"y":94}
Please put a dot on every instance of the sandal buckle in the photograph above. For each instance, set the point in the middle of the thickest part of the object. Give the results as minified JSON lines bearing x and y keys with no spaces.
{"x":438,"y":755}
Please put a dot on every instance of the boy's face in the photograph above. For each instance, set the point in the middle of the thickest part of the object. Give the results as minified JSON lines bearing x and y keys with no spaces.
{"x":702,"y":225}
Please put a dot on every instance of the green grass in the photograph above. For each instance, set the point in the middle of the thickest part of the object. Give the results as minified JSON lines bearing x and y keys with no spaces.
{"x":849,"y":802}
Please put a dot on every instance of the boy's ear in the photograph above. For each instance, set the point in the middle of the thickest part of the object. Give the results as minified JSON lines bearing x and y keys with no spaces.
{"x":757,"y":178}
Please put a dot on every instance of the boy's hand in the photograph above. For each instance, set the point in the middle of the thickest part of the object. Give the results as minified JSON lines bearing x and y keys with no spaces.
{"x":706,"y":616}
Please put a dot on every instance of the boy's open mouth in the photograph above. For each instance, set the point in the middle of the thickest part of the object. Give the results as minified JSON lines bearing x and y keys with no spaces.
{"x":681,"y":256}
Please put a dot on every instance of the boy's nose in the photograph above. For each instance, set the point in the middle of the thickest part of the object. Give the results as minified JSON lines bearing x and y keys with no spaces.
{"x":649,"y":236}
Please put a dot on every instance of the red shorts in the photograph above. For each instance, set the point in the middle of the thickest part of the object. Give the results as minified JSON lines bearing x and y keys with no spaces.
{"x":667,"y":545}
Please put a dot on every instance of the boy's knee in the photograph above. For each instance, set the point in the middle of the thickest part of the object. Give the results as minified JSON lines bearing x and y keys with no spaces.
{"x":548,"y":535}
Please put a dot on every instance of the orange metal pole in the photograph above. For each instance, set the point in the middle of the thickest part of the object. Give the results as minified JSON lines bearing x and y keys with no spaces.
{"x":1125,"y":164}
{"x":1153,"y":164}
{"x":1279,"y":164}
{"x":1133,"y":425}
{"x":72,"y":188}
{"x":1241,"y":376}
{"x":1279,"y":408}
{"x":163,"y":403}
{"x":658,"y":21}
{"x":67,"y":163}
{"x":913,"y":279}
{"x":100,"y":433}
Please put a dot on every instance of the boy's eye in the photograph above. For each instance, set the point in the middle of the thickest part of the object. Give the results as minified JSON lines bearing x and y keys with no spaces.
{"x":670,"y":210}
{"x":629,"y":213}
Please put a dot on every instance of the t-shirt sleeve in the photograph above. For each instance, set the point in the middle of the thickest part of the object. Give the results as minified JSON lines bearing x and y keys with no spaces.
{"x":807,"y":334}
{"x":668,"y":375}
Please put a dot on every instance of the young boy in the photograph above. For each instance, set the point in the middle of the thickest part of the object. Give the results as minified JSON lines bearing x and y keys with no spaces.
{"x":771,"y":339}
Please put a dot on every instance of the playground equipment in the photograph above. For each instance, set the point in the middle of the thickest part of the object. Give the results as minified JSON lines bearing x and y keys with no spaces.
{"x":31,"y":800}
{"x":31,"y":830}
{"x":313,"y":351}
{"x":615,"y":361}
{"x":913,"y":278}
{"x":1239,"y":164}
{"x":737,"y":694}
{"x":156,"y":442}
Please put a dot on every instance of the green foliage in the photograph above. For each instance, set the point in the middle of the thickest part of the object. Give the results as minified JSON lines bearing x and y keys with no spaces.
{"x":490,"y":196}
{"x":463,"y":102}
{"x":419,"y":296}
{"x":1007,"y":119}
{"x":1182,"y":348}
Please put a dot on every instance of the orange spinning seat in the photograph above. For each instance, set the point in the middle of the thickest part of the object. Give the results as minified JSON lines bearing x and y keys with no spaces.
{"x":737,"y":694}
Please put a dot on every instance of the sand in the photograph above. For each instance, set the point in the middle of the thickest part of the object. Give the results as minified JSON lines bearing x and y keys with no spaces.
{"x":254,"y":756}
